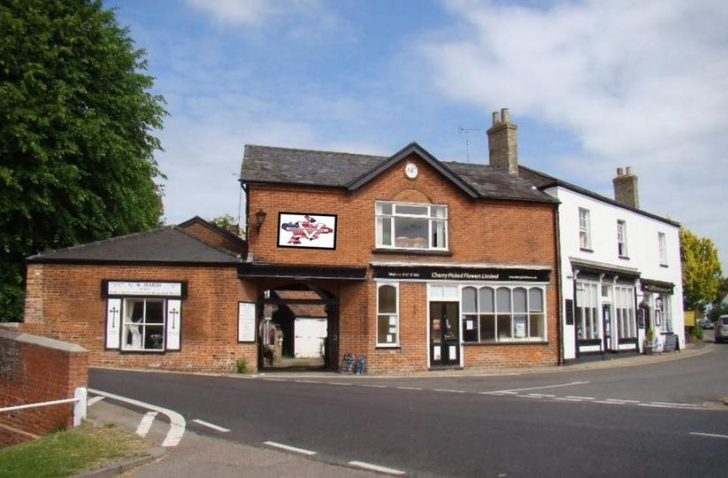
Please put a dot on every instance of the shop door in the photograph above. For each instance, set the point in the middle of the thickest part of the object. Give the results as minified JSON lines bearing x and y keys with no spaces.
{"x":607,"y":326}
{"x":444,"y":334}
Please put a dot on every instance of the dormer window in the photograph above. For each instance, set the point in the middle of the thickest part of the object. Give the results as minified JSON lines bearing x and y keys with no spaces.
{"x":411,"y":226}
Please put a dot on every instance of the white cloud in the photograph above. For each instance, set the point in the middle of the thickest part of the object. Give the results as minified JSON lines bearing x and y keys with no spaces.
{"x":643,"y":84}
{"x":255,"y":12}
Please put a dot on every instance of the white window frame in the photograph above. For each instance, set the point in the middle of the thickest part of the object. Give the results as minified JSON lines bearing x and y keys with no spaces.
{"x":587,"y":310}
{"x":394,"y":315}
{"x":528,"y":313}
{"x":662,"y":245}
{"x":584,"y":229}
{"x":625,"y":311}
{"x":128,"y":326}
{"x":622,"y":250}
{"x":390,"y":219}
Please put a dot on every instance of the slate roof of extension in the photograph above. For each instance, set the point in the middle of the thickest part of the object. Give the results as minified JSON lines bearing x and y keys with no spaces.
{"x":170,"y":244}
{"x":283,"y":166}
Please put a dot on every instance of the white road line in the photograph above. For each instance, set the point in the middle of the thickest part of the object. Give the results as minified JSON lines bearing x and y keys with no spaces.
{"x":540,"y":388}
{"x":374,"y":386}
{"x":529,"y":396}
{"x":377,"y":468}
{"x":177,"y":422}
{"x":608,"y":402}
{"x":580,"y":398}
{"x":709,"y":435}
{"x":568,"y":399}
{"x":210,"y":425}
{"x":542,"y":395}
{"x":500,"y":394}
{"x":409,"y":388}
{"x":619,"y":400}
{"x":93,"y":400}
{"x":445,"y":390}
{"x":289,"y":448}
{"x":679,"y":406}
{"x":145,"y":424}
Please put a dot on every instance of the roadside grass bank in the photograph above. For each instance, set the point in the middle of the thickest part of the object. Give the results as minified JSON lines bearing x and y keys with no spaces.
{"x":65,"y":453}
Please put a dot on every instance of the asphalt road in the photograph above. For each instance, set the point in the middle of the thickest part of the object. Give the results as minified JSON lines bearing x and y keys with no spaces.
{"x":654,"y":420}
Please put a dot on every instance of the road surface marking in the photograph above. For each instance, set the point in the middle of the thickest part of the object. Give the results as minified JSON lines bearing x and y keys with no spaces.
{"x":210,"y":425}
{"x":680,"y":406}
{"x":448,"y":390}
{"x":409,"y":388}
{"x":177,"y":422}
{"x":500,"y":394}
{"x":619,"y":400}
{"x":542,"y":395}
{"x":540,"y":388}
{"x":380,"y":469}
{"x":289,"y":448}
{"x":568,"y":399}
{"x":579,"y":398}
{"x":529,"y":396}
{"x":709,"y":435}
{"x":373,"y":386}
{"x":607,"y":402}
{"x":91,"y":401}
{"x":345,"y":384}
{"x":145,"y":424}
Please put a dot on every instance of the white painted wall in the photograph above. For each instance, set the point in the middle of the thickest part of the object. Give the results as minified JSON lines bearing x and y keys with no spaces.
{"x":642,"y":249}
{"x":309,"y":337}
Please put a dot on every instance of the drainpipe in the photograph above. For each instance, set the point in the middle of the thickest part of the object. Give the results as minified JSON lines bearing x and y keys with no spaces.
{"x":559,"y":295}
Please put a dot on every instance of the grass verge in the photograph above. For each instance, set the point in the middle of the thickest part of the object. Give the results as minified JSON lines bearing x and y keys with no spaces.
{"x":65,"y":453}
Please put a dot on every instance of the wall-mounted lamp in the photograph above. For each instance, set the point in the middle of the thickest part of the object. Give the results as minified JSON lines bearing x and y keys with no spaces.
{"x":259,"y":219}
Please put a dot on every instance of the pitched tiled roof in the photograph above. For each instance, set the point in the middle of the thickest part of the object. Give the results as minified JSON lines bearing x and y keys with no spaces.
{"x":264,"y":164}
{"x":170,"y":244}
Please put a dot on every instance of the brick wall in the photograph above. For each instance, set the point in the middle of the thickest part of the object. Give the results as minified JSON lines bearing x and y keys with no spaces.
{"x":65,"y":302}
{"x":36,"y":369}
{"x":480,"y":231}
{"x":215,"y":238}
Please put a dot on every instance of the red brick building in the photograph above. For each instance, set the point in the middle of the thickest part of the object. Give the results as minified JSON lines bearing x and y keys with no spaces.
{"x":418,"y":264}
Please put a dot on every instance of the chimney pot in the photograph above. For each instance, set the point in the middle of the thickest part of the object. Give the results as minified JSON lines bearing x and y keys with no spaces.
{"x":620,"y":171}
{"x":505,"y":115}
{"x":496,"y":118}
{"x":628,"y":171}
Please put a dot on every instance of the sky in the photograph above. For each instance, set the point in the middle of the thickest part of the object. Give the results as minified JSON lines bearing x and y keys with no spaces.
{"x":592,"y":85}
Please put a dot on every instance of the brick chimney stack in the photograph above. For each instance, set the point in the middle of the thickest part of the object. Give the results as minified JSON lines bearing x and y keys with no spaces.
{"x":503,"y":142}
{"x":626,"y":188}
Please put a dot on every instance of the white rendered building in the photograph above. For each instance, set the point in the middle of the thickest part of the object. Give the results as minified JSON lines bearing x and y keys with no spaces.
{"x":620,"y":270}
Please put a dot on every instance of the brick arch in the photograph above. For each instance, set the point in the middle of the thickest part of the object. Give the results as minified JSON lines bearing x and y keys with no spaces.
{"x":412,"y":195}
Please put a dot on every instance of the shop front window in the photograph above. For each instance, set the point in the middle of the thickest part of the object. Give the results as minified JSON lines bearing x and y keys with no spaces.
{"x":503,"y":314}
{"x":388,"y":315}
{"x":625,"y":309}
{"x":587,"y":318}
{"x":411,"y":226}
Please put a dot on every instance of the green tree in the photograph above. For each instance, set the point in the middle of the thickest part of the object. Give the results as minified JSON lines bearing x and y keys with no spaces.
{"x":701,"y":270}
{"x":76,"y":134}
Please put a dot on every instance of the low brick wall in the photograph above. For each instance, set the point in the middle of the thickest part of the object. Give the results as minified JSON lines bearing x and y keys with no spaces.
{"x":37,"y":369}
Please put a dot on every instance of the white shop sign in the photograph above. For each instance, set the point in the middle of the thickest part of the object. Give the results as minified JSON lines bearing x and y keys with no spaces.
{"x":150,"y":289}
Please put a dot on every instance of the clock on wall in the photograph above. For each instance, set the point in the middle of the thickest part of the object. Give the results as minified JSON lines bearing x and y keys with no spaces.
{"x":410,"y":170}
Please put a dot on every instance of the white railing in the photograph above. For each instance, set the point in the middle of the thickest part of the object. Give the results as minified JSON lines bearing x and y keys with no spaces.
{"x":79,"y":408}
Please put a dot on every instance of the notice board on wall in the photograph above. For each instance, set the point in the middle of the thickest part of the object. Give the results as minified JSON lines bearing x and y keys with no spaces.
{"x":246,"y":321}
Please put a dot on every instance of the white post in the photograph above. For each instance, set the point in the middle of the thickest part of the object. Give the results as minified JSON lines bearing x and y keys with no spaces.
{"x":79,"y":407}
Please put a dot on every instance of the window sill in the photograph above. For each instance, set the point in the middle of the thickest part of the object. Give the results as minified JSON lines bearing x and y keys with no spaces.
{"x":143,"y":352}
{"x":416,"y":252}
{"x":388,"y":347}
{"x":515,"y":342}
{"x":583,"y":249}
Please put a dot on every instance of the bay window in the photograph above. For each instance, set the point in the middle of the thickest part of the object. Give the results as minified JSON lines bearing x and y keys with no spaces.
{"x":411,"y":226}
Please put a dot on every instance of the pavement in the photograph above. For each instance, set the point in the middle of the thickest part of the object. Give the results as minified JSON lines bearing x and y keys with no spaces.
{"x":202,"y":455}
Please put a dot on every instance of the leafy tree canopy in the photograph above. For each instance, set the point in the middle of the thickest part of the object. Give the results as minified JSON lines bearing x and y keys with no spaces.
{"x":702,"y":273}
{"x":76,"y":124}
